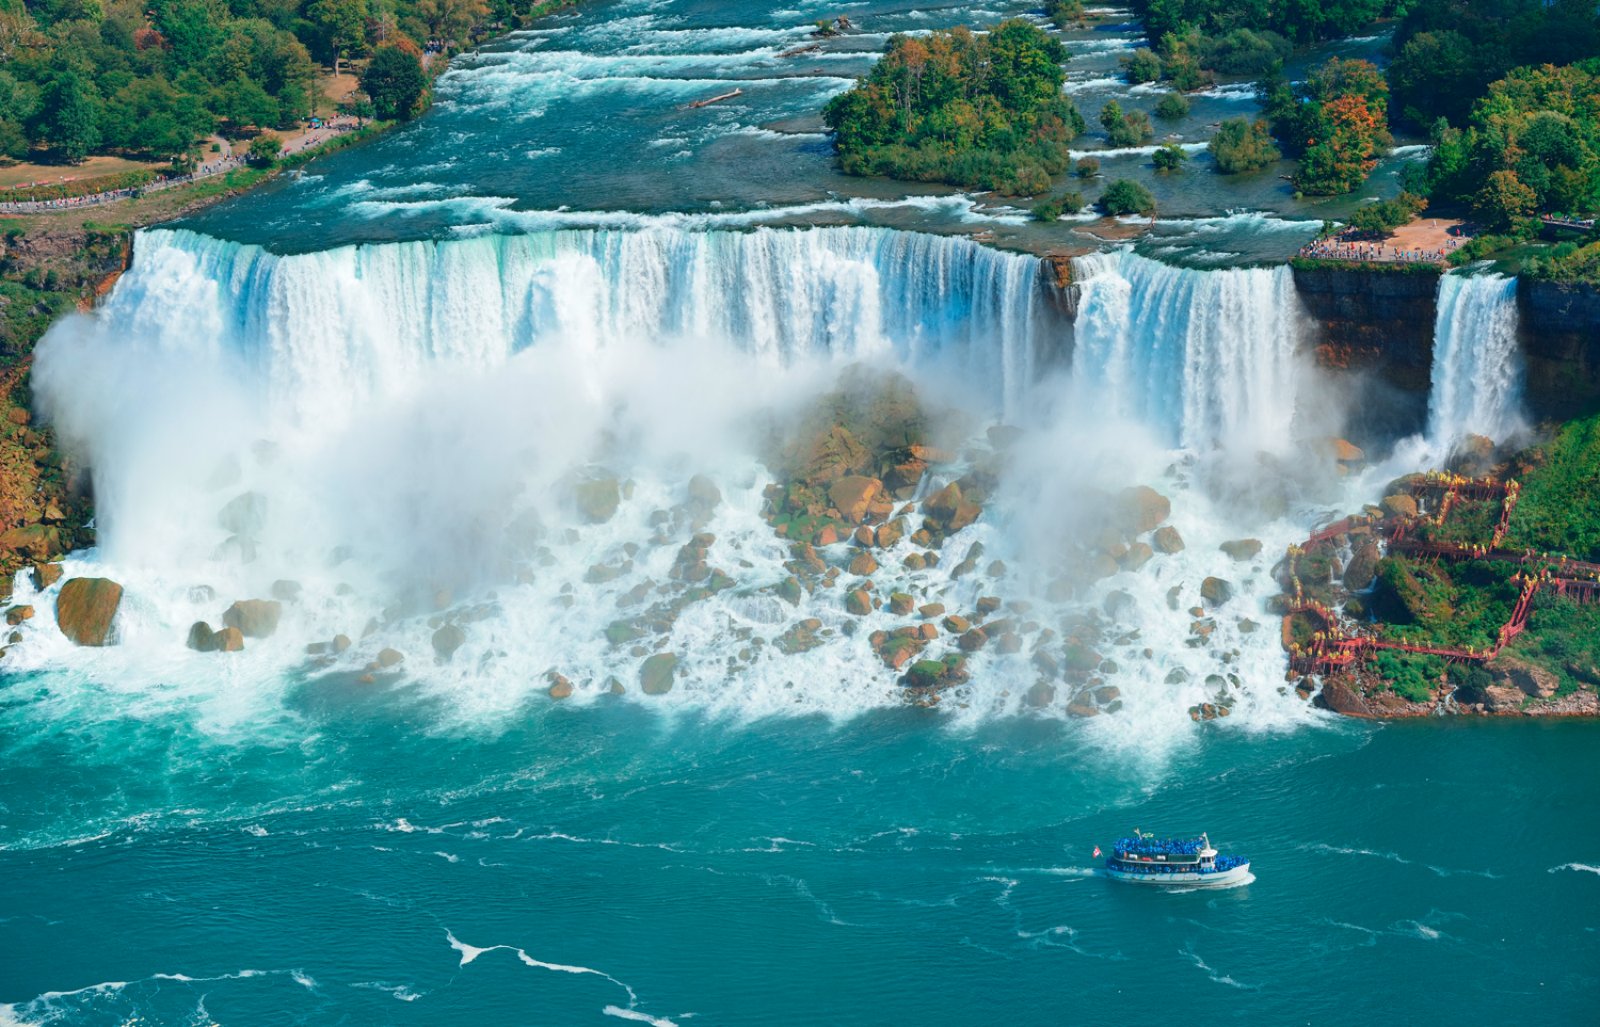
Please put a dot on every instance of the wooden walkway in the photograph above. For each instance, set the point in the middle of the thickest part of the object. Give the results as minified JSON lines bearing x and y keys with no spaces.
{"x":1333,"y":647}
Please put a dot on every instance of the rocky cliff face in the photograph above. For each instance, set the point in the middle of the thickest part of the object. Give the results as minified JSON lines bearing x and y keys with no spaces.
{"x":1560,"y":336}
{"x":1378,"y":327}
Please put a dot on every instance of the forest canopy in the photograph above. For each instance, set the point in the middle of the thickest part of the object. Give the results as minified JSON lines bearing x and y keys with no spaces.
{"x":978,"y":111}
{"x":150,"y":79}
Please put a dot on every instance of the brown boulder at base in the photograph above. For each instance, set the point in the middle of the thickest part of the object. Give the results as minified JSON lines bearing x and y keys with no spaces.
{"x":1216,"y":591}
{"x":560,"y":687}
{"x":1363,"y":566}
{"x":597,"y":498}
{"x":45,"y":575}
{"x":1242,"y":549}
{"x":1346,"y":452}
{"x":86,"y":608}
{"x":229,"y":640}
{"x":1167,"y":540}
{"x":863,"y":566}
{"x":1040,"y":694}
{"x":448,"y":639}
{"x":656,"y":673}
{"x":201,"y":638}
{"x":1532,"y":680}
{"x":255,"y":618}
{"x":1399,"y":505}
{"x":852,"y":496}
{"x":1143,"y":509}
{"x":1339,"y":696}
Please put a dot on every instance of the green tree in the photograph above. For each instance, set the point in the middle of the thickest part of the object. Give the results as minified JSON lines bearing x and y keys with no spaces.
{"x":1172,"y":106}
{"x":1242,"y":145}
{"x":1504,"y":200}
{"x":69,"y":117}
{"x":1141,"y":66}
{"x":1127,"y":197}
{"x":394,"y":81}
{"x":1169,"y":157}
{"x":340,"y":26}
{"x":264,"y":149}
{"x":245,"y":105}
{"x":981,"y":111}
{"x":1125,"y":128}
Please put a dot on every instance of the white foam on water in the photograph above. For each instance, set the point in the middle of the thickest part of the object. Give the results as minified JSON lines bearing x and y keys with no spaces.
{"x":415,"y":402}
{"x":1213,"y":974}
{"x":469,"y":953}
{"x":1585,"y":868}
{"x":1133,"y":151}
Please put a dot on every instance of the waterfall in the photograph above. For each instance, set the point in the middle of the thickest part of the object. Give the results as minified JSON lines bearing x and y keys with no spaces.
{"x":1205,"y":358}
{"x":1477,"y":364}
{"x":390,"y":434}
{"x":321,"y":330}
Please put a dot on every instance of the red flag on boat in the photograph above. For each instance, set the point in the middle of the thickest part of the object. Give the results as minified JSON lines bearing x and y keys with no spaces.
{"x":1097,"y":852}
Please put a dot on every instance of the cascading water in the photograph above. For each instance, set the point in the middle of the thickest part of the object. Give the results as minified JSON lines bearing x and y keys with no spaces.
{"x":327,"y":328}
{"x":1477,"y":362}
{"x":410,"y":420}
{"x":1205,"y":358}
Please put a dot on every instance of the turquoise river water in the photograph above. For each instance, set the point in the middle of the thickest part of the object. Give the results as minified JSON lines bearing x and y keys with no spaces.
{"x":560,"y":269}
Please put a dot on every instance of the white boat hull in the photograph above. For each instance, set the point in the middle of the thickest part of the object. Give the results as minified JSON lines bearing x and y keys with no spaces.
{"x":1219,"y":879}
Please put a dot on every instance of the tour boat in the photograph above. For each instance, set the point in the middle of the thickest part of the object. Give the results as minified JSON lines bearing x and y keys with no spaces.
{"x":1189,"y":862}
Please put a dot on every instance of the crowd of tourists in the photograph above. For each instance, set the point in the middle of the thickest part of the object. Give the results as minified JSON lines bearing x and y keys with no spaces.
{"x":1142,"y":845}
{"x":1341,"y":248}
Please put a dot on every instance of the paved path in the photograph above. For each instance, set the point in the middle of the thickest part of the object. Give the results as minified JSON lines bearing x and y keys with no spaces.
{"x":219,"y":164}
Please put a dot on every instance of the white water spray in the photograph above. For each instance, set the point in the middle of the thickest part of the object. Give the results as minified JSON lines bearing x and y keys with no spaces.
{"x":1477,"y":363}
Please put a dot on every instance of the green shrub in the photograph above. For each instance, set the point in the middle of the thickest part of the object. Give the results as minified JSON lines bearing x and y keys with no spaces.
{"x":1172,"y":107}
{"x":1169,"y":157}
{"x":1409,"y":675}
{"x":1141,"y":66}
{"x":1055,"y":206}
{"x":1127,"y":197}
{"x":1125,"y":128}
{"x":1242,"y":145}
{"x":1087,"y":167}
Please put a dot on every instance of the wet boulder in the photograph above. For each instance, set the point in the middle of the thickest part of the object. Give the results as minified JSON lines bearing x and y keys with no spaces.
{"x":245,"y":515}
{"x":86,"y":610}
{"x":1216,"y":591}
{"x":448,"y":639}
{"x":657,"y":673}
{"x":1399,"y":505}
{"x":255,"y":618}
{"x":853,"y":496}
{"x":1167,"y":540}
{"x":1242,"y":549}
{"x":1141,"y":509}
{"x":597,"y":497}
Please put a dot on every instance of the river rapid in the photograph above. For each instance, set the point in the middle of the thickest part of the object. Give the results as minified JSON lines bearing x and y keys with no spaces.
{"x":385,"y":382}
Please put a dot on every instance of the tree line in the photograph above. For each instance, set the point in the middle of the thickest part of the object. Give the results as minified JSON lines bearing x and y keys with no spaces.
{"x":148,"y":79}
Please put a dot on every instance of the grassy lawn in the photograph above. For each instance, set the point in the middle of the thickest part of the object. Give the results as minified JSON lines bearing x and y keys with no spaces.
{"x":94,"y":167}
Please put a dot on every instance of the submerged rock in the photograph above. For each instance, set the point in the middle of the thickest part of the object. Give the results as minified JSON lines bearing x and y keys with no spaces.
{"x":245,"y":514}
{"x":597,"y":497}
{"x":1242,"y":549}
{"x":86,"y":609}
